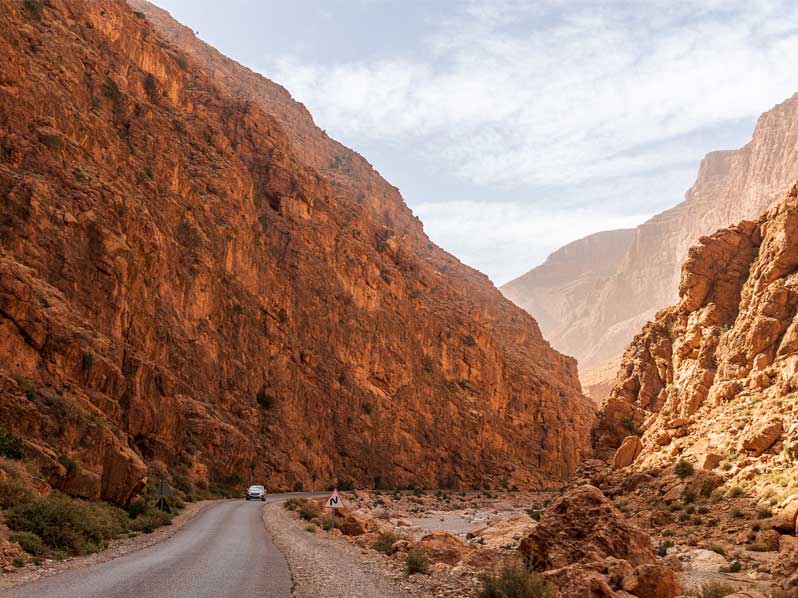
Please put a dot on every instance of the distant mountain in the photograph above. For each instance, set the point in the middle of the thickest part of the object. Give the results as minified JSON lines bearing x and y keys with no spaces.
{"x":627,"y":290}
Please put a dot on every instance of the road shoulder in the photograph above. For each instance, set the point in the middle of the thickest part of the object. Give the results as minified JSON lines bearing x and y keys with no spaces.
{"x":117,"y":548}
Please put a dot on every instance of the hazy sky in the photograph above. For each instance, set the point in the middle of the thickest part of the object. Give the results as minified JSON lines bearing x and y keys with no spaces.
{"x":513,"y":126}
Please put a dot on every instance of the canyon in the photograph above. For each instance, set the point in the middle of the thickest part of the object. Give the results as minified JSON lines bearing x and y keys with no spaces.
{"x":193,"y":274}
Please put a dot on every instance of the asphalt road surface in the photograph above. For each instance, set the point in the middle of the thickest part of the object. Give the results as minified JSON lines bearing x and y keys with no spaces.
{"x":224,"y":551}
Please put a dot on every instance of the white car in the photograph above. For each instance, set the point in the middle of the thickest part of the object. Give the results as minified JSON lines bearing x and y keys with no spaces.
{"x":256,"y":493}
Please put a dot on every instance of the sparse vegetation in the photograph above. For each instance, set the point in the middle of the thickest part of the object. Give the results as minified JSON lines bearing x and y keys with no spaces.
{"x":384,"y":543}
{"x":264,"y":399}
{"x":30,"y":543}
{"x":34,"y":7}
{"x":13,"y":493}
{"x":151,"y":86}
{"x":662,"y":548}
{"x":684,"y":468}
{"x":88,"y":360}
{"x":10,"y":446}
{"x":735,"y":567}
{"x":66,"y":524}
{"x":734,"y":492}
{"x":515,"y":581}
{"x":416,"y":562}
{"x":427,"y":364}
{"x":715,"y":589}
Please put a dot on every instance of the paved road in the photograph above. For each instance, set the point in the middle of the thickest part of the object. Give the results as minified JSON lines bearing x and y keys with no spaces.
{"x":224,"y":551}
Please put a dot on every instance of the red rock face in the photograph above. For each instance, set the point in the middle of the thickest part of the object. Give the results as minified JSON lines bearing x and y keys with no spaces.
{"x":183,"y":279}
{"x":715,"y":374}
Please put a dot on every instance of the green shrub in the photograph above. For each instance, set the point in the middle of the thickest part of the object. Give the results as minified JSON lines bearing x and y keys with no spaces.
{"x":684,"y":468}
{"x":416,"y":562}
{"x":68,"y":524}
{"x":735,"y":567}
{"x":88,"y":360}
{"x":310,"y":510}
{"x":10,"y":446}
{"x":293,"y":504}
{"x":310,"y":528}
{"x":718,"y":549}
{"x":329,"y":522}
{"x":30,"y":543}
{"x":715,"y":589}
{"x":734,"y":492}
{"x":135,"y":509}
{"x":515,"y":581}
{"x":151,"y":520}
{"x":13,"y":493}
{"x":384,"y":543}
{"x":34,"y":7}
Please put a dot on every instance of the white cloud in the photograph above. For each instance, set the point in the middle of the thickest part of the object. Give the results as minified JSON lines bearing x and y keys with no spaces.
{"x":557,"y":94}
{"x":555,"y":103}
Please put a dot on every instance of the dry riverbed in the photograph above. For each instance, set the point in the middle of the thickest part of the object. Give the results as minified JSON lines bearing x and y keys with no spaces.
{"x":464,"y":535}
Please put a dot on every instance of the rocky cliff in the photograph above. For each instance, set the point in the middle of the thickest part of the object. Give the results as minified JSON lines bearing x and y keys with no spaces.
{"x":713,"y":379}
{"x":731,"y":186}
{"x":191,"y":272}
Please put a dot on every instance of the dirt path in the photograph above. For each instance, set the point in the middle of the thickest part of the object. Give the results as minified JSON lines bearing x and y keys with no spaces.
{"x":323,"y":565}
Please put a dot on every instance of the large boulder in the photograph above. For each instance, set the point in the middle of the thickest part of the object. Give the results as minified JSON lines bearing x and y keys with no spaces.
{"x":652,"y":580}
{"x":786,"y":519}
{"x":761,"y":437}
{"x":583,"y":526}
{"x":627,"y":453}
{"x":442,"y":547}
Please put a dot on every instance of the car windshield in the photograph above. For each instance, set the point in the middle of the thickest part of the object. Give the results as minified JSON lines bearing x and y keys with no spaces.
{"x":253,"y":488}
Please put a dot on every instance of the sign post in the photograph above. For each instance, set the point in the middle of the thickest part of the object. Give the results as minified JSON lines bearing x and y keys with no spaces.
{"x":163,"y":491}
{"x":333,"y":503}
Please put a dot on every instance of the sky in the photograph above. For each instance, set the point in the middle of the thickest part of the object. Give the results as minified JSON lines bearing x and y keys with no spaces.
{"x":513,"y":127}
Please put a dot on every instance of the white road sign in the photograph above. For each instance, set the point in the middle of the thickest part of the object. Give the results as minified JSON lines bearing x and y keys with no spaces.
{"x":334,"y":502}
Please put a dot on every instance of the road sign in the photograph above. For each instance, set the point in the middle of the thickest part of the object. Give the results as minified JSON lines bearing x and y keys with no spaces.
{"x":164,"y":489}
{"x":334,"y":502}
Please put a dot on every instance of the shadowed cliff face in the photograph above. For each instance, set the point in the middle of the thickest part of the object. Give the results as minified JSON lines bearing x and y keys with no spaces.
{"x":731,"y":186}
{"x":717,"y":374}
{"x":185,"y":276}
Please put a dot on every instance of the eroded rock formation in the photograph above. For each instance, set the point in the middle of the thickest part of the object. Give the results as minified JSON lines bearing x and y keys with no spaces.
{"x":715,"y":377}
{"x":191,"y":272}
{"x":585,"y":546}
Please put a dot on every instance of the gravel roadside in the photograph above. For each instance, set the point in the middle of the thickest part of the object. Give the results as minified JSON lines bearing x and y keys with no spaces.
{"x":116,"y":549}
{"x":322,"y":564}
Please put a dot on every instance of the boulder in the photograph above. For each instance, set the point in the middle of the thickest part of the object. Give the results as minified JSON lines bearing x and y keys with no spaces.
{"x":710,"y":460}
{"x":786,"y":519}
{"x":442,"y":547}
{"x":768,"y":538}
{"x":583,"y":526}
{"x":652,"y":580}
{"x":787,"y":562}
{"x":627,"y":453}
{"x":761,"y":437}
